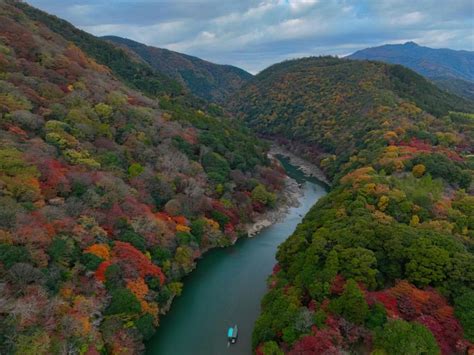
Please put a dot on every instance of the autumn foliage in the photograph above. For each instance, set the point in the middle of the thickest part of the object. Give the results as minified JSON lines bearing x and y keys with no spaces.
{"x":105,"y":202}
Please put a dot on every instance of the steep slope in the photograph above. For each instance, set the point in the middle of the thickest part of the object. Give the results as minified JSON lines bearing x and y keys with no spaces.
{"x":459,"y":87}
{"x":212,"y":82}
{"x":107,"y":196}
{"x":439,"y":65}
{"x":384,"y":262}
{"x":137,"y":75}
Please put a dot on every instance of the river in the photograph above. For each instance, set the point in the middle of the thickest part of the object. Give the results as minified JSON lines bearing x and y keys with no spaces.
{"x":227,"y":286}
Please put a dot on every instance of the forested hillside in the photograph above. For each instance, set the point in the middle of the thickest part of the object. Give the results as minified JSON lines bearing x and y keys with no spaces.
{"x":209,"y":81}
{"x":451,"y":70}
{"x":385,"y":262}
{"x":109,"y":190}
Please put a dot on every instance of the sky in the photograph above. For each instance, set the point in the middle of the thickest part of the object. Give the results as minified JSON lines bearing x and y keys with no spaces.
{"x":253,"y":34}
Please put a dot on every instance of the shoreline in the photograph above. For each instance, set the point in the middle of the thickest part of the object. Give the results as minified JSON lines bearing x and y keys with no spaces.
{"x":308,"y":168}
{"x":290,"y":197}
{"x":292,"y":191}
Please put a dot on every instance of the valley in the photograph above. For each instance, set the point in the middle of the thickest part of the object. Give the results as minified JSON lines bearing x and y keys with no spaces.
{"x":150,"y":199}
{"x":227,"y":285}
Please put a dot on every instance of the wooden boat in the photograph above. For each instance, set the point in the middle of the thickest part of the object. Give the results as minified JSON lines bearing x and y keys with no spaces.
{"x":232,"y":334}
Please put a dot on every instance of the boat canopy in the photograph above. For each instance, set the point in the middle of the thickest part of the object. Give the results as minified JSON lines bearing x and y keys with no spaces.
{"x":230,"y":332}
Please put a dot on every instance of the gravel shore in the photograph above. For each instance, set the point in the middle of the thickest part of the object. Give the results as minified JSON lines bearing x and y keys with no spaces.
{"x":305,"y":166}
{"x":289,"y":198}
{"x":291,"y":193}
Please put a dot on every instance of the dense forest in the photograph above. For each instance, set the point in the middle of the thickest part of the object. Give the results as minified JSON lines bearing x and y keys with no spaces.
{"x":117,"y":174}
{"x":112,"y":183}
{"x":209,"y":81}
{"x":384,"y":263}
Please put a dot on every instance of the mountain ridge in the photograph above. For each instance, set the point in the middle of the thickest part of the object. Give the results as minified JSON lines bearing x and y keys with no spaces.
{"x":207,"y":80}
{"x":439,"y":65}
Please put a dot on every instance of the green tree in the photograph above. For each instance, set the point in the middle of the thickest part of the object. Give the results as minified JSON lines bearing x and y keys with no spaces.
{"x":351,"y":304}
{"x":428,"y":263}
{"x":12,"y":254}
{"x":103,"y":110}
{"x":198,"y":228}
{"x":399,"y":337}
{"x":123,"y":301}
{"x":130,"y":236}
{"x":271,"y":348}
{"x":113,"y":277}
{"x":216,"y":167}
{"x":145,"y":325}
{"x":359,"y":264}
{"x":464,"y":310}
{"x":38,"y":343}
{"x":134,"y":170}
{"x":91,"y":261}
{"x":377,"y":316}
{"x":260,"y":194}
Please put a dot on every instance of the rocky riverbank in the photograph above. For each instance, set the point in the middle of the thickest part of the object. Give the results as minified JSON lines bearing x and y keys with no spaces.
{"x":305,"y":166}
{"x":289,"y":197}
{"x":291,"y":193}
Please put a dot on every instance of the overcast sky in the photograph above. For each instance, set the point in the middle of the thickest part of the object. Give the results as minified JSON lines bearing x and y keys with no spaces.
{"x":255,"y":34}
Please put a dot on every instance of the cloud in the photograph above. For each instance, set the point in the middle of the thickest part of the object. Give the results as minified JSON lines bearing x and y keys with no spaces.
{"x":80,"y":10}
{"x":253,"y":34}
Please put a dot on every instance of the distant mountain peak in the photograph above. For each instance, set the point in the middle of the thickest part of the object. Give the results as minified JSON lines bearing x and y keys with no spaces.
{"x":451,"y":70}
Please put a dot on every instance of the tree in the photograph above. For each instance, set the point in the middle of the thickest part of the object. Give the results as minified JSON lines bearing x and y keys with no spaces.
{"x":12,"y":254}
{"x":261,"y":195}
{"x":123,"y":301}
{"x":134,"y":258}
{"x":377,"y":316}
{"x":91,"y":261}
{"x":216,"y":167}
{"x":464,"y":309}
{"x":38,"y":343}
{"x":113,"y":275}
{"x":418,"y":170}
{"x":351,"y":304}
{"x":198,"y":228}
{"x":428,"y":263}
{"x":100,"y":250}
{"x":401,"y":337}
{"x":23,"y":274}
{"x":145,"y":326}
{"x":130,"y":236}
{"x":135,"y":169}
{"x":269,"y":348}
{"x":17,"y":177}
{"x":103,"y":110}
{"x":320,"y":343}
{"x":359,"y":264}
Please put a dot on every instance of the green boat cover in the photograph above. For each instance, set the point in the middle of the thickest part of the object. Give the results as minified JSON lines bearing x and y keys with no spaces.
{"x":230,"y":332}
